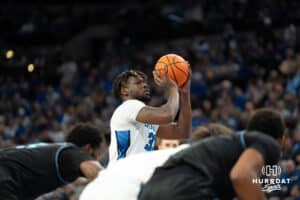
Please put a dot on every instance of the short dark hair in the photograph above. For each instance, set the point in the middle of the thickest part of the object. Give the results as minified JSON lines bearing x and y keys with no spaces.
{"x":122,"y":79}
{"x":85,"y":133}
{"x":267,"y":121}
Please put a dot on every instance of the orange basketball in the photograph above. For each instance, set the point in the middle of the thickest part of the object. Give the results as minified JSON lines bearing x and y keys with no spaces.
{"x":176,"y":67}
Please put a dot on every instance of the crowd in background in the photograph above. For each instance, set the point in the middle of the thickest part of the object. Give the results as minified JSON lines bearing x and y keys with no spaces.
{"x":233,"y":74}
{"x":229,"y":81}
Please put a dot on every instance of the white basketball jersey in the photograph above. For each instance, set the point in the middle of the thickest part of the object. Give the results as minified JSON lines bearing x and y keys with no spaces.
{"x":124,"y":178}
{"x":129,"y":136}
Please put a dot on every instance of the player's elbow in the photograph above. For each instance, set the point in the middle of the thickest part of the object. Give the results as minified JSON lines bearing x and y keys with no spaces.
{"x":233,"y":176}
{"x":90,"y":169}
{"x":236,"y":177}
{"x":167,"y":117}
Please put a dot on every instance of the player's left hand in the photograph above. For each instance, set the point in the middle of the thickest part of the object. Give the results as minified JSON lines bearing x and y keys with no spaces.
{"x":185,"y":88}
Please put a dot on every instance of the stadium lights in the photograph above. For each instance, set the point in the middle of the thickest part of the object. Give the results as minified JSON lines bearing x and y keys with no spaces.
{"x":30,"y":68}
{"x":9,"y":54}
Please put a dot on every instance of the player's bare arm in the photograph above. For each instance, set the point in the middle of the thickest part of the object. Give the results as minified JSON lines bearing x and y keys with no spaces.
{"x":90,"y":169}
{"x":244,"y":171}
{"x":183,"y":127}
{"x":166,"y":113}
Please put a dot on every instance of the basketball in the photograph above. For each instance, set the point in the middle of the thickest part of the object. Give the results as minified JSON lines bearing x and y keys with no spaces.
{"x":176,"y":67}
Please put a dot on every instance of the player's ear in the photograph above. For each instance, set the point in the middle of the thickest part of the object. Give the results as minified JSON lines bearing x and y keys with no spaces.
{"x":87,"y":148}
{"x":124,"y":91}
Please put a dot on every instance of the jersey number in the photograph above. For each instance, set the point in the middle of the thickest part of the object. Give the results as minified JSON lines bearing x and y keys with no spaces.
{"x":149,"y":146}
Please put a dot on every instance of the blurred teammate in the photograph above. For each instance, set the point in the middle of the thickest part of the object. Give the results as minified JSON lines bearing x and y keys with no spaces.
{"x":134,"y":125}
{"x":220,"y":167}
{"x":123,"y":180}
{"x":29,"y":171}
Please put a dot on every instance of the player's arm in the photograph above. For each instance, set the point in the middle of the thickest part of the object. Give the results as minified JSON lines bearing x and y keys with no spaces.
{"x":246,"y":169}
{"x":74,"y":163}
{"x":90,"y":169}
{"x":167,"y":112}
{"x":183,"y":127}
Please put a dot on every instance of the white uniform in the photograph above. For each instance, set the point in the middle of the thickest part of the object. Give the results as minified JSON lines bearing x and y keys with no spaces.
{"x":129,"y":136}
{"x":123,"y":179}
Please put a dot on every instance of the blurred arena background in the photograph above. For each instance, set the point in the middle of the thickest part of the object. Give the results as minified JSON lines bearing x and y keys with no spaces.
{"x":58,"y":60}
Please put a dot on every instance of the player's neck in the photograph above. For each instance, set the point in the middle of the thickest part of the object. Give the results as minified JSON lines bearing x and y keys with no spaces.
{"x":128,"y":98}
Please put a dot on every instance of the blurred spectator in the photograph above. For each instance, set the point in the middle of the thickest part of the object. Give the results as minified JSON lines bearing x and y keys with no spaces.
{"x":289,"y":171}
{"x":167,"y":144}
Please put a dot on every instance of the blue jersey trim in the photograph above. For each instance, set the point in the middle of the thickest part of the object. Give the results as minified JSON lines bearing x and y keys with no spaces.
{"x":123,"y":142}
{"x":242,"y":139}
{"x":57,"y":164}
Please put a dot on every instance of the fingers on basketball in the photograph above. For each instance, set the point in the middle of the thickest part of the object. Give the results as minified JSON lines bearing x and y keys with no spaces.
{"x":175,"y":66}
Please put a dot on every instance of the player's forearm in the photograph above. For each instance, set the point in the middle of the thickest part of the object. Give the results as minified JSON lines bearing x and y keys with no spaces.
{"x":246,"y":190}
{"x":172,"y":105}
{"x":185,"y":115}
{"x":90,"y":169}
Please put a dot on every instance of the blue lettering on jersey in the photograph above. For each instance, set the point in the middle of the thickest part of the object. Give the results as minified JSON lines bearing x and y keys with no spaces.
{"x":149,"y":146}
{"x":151,"y":136}
{"x":151,"y":127}
{"x":123,"y":142}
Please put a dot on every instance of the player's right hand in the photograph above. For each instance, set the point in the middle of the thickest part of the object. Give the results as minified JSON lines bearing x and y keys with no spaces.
{"x":163,"y":80}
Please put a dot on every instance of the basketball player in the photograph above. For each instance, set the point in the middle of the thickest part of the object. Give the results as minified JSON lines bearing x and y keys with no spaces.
{"x":220,"y":167}
{"x":124,"y":178}
{"x":27,"y":172}
{"x":134,"y":125}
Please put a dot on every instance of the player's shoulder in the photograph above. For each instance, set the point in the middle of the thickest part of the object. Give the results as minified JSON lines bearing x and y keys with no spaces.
{"x":132,"y":102}
{"x":129,"y":105}
{"x":259,"y":137}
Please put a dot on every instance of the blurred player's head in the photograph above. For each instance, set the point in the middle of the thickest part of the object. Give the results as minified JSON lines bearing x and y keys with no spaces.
{"x":88,"y":137}
{"x":267,"y":121}
{"x":131,"y":84}
{"x":209,"y":130}
{"x":168,"y":143}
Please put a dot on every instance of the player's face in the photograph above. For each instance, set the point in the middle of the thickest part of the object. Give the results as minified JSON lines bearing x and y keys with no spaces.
{"x":168,"y":144}
{"x":138,"y":88}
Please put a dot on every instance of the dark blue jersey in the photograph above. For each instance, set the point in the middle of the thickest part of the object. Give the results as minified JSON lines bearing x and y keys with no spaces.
{"x":202,"y":170}
{"x":36,"y":169}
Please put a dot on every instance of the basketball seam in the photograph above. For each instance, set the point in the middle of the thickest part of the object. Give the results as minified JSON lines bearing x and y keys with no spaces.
{"x":173,"y":70}
{"x":181,"y":70}
{"x":162,"y":62}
